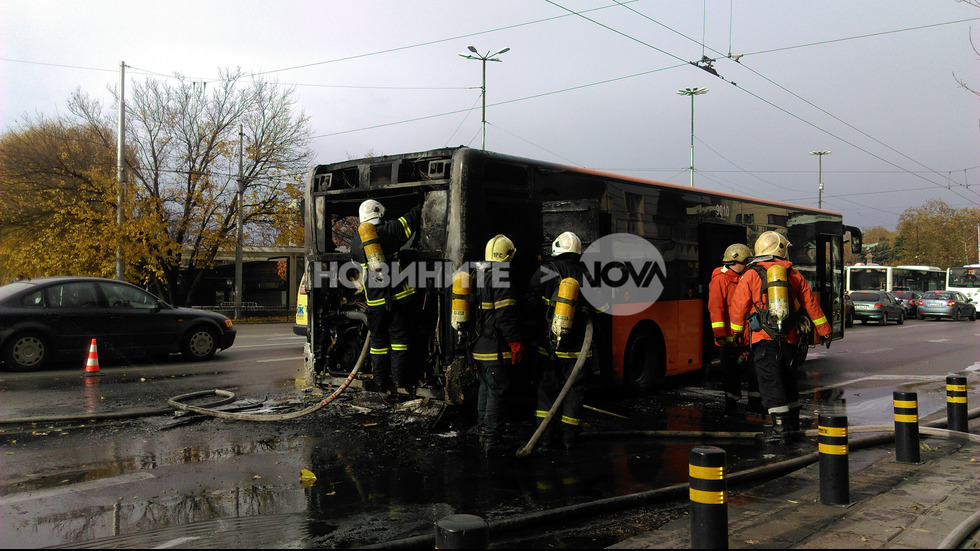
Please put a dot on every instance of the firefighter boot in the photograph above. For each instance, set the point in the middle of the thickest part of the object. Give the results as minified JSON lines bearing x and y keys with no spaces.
{"x":777,"y":432}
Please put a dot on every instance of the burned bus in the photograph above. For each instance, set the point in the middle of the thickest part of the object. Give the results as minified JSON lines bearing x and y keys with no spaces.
{"x":469,"y":195}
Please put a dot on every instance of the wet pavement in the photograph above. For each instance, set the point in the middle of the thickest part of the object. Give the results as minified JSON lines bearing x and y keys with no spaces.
{"x":891,"y":504}
{"x":383,"y":474}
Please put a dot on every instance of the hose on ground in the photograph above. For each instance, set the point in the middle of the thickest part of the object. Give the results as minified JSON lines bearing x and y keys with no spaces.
{"x":176,"y":400}
{"x":678,"y":491}
{"x":579,"y":362}
{"x":108,"y":415}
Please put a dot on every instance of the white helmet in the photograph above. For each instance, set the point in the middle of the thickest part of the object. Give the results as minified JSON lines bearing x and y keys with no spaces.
{"x":771,"y":243}
{"x":371,"y":211}
{"x":567,"y":242}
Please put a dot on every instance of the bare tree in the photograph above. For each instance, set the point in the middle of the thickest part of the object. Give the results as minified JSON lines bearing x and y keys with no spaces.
{"x":183,"y":168}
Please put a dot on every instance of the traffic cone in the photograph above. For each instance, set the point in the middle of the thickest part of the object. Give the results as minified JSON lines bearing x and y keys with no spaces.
{"x":92,"y":363}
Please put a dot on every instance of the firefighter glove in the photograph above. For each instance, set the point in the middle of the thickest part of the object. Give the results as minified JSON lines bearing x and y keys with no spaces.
{"x":825,"y":341}
{"x":516,"y":352}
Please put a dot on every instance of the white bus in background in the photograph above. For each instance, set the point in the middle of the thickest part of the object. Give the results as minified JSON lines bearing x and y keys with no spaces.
{"x":965,"y":279}
{"x":894,"y":278}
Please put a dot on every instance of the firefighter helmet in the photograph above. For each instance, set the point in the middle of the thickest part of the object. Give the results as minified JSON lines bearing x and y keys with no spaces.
{"x":371,"y":211}
{"x":500,"y":249}
{"x":567,"y":242}
{"x":736,"y":253}
{"x":771,"y":243}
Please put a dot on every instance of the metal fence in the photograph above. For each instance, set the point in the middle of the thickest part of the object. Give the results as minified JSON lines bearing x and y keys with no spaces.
{"x":252,"y":310}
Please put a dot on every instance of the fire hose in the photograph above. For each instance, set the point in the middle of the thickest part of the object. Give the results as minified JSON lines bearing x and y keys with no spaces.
{"x":586,"y":343}
{"x":175,"y":401}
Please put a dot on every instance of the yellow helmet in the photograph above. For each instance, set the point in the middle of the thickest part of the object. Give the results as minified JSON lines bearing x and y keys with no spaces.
{"x":736,"y":253}
{"x":771,"y":243}
{"x":500,"y":249}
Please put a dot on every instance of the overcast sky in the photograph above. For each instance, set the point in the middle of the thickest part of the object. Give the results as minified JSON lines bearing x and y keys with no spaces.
{"x":586,"y":82}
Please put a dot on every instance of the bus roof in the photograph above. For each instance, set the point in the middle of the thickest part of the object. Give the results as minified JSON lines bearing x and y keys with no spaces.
{"x":447,"y":151}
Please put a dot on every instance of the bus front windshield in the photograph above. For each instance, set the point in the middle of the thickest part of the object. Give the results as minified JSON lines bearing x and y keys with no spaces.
{"x":964,"y":277}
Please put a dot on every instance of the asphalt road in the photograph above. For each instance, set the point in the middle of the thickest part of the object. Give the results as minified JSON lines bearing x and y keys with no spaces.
{"x":381,"y":476}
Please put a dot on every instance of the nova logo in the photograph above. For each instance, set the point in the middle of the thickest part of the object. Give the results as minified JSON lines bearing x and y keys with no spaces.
{"x":624,"y":274}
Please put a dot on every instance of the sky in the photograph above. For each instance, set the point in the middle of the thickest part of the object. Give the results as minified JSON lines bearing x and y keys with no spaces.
{"x":591,"y":83}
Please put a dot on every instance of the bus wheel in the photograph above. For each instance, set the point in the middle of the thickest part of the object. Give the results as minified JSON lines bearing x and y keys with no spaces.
{"x":645,"y":364}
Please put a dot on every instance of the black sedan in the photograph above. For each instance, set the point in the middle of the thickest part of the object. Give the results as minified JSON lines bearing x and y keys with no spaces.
{"x":55,"y":318}
{"x":910,"y":299}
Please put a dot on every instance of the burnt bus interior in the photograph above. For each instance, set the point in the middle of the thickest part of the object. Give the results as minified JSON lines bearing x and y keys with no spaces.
{"x":532,"y":203}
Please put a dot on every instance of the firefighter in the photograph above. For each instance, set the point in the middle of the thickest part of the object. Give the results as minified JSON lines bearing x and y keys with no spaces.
{"x":734,"y":357}
{"x":558,"y":348}
{"x":498,"y":345}
{"x":391,"y":311}
{"x":766,"y":300}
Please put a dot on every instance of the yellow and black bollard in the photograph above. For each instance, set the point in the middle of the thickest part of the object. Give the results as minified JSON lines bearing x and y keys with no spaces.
{"x":956,"y":411}
{"x":832,"y":445}
{"x":462,"y":532}
{"x":906,"y":426}
{"x":709,"y":498}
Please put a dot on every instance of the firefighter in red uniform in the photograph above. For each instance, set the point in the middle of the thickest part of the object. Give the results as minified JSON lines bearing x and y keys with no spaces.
{"x":766,"y":299}
{"x":734,"y":356}
{"x":391,"y":312}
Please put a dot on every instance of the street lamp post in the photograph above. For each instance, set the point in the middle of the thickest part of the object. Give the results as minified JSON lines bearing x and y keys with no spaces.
{"x":697,"y":91}
{"x":820,"y":155}
{"x":483,"y":89}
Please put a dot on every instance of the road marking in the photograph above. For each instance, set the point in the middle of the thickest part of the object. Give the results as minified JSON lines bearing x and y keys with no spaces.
{"x":875,"y":378}
{"x":939,"y":340}
{"x":175,"y":542}
{"x":876,"y":350}
{"x":76,"y":488}
{"x":279,"y":359}
{"x":270,"y":345}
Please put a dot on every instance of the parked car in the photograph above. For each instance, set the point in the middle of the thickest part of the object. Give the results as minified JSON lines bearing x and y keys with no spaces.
{"x":848,"y":310}
{"x":300,"y":326}
{"x":877,"y":306}
{"x":910,"y":299}
{"x":55,"y":318}
{"x":946,"y":304}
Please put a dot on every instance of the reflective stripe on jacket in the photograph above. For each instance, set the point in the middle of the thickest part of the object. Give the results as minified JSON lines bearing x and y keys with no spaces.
{"x":747,"y":295}
{"x":392,"y":234}
{"x":722,"y":286}
{"x":497,"y":322}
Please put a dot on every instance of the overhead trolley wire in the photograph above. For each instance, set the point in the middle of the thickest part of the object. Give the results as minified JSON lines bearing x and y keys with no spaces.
{"x":949,"y":188}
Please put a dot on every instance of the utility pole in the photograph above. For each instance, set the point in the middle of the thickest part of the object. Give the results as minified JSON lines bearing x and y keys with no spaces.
{"x":238,"y":222}
{"x":697,"y":91}
{"x":483,"y":89}
{"x":121,"y":170}
{"x":820,"y":155}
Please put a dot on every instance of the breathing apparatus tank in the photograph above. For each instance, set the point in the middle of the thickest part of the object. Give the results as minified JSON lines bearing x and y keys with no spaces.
{"x":777,"y":291}
{"x":561,"y":323}
{"x":372,"y":246}
{"x":460,"y":316}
